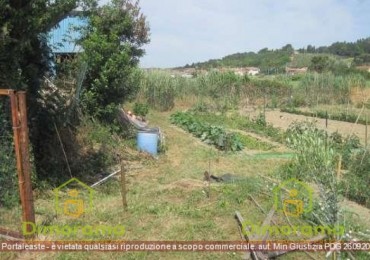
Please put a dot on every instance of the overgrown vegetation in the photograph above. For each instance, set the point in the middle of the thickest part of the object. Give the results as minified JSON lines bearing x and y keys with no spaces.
{"x":326,"y":88}
{"x":112,"y":43}
{"x":226,"y":90}
{"x":141,"y":109}
{"x":8,"y":172}
{"x":88,"y":88}
{"x":318,"y":156}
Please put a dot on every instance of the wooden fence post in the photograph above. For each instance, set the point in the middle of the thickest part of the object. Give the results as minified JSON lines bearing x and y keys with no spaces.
{"x":123,"y":185}
{"x":29,"y":213}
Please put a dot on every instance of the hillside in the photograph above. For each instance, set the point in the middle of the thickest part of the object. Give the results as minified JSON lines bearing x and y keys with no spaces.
{"x":355,"y":53}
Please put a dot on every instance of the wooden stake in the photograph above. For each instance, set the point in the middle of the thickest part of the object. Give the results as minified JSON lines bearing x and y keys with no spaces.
{"x":29,"y":214}
{"x":366,"y":133}
{"x":123,"y":186}
{"x":209,"y":179}
{"x":339,"y":168}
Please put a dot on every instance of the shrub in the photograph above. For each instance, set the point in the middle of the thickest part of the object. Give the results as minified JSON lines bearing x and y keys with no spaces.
{"x":141,"y":109}
{"x":356,"y":180}
{"x":8,"y":172}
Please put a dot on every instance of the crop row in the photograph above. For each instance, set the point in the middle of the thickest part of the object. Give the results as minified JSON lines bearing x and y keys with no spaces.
{"x":210,"y":134}
{"x":351,"y":118}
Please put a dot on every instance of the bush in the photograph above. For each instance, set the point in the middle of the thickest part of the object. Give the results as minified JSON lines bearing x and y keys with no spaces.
{"x":356,"y":180}
{"x":141,"y":109}
{"x":8,"y":172}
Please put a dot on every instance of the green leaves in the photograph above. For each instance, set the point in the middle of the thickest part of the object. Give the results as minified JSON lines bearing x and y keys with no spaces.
{"x":213,"y":135}
{"x":112,"y":44}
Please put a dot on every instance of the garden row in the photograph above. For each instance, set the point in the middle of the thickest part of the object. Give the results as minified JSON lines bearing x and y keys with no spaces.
{"x":351,"y":118}
{"x":216,"y":135}
{"x":236,"y":121}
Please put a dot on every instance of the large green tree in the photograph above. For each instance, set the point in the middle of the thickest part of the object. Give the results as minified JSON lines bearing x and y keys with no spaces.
{"x":112,"y":44}
{"x":25,"y":58}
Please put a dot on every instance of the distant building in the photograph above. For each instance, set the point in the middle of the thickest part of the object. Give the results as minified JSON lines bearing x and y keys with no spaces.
{"x":63,"y":38}
{"x":294,"y":71}
{"x":251,"y":71}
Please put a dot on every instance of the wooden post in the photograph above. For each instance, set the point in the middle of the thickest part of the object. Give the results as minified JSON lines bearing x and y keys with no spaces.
{"x":123,"y":186}
{"x":366,"y":132}
{"x":339,"y":168}
{"x":21,"y":143}
{"x":326,"y":119}
{"x":20,"y":131}
{"x":264,"y":105}
{"x":26,"y":166}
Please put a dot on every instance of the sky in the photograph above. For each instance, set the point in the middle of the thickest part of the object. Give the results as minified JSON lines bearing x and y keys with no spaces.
{"x":187,"y":31}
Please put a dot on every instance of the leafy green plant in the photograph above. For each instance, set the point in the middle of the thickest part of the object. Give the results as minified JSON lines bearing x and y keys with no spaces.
{"x":315,"y":161}
{"x":213,"y":135}
{"x":8,"y":172}
{"x":141,"y":109}
{"x":261,"y":120}
{"x":356,"y":180}
{"x":112,"y":42}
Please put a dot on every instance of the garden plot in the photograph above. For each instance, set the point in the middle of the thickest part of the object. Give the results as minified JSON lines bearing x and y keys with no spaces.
{"x":283,"y":120}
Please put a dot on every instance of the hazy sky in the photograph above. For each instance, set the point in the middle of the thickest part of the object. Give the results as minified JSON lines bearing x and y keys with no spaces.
{"x":189,"y":31}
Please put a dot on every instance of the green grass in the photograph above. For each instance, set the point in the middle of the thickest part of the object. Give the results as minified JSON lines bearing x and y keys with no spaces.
{"x":167,"y":199}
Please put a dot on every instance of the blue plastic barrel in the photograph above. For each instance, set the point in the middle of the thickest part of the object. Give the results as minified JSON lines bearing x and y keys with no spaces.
{"x":147,"y":141}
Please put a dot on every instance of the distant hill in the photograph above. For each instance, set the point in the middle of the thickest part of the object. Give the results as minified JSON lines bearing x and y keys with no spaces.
{"x":357,"y":53}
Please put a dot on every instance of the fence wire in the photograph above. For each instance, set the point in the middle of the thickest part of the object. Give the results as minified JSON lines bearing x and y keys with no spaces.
{"x":10,"y":207}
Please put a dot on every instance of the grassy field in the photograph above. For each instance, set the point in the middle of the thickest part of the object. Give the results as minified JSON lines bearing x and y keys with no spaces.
{"x":168,"y":199}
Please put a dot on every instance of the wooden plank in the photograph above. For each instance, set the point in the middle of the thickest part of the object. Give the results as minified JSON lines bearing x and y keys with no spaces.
{"x":266,"y":222}
{"x":6,"y":92}
{"x":18,"y":154}
{"x":10,"y":234}
{"x":253,"y":254}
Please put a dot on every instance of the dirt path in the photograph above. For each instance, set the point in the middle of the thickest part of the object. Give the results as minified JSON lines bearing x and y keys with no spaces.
{"x":283,"y":120}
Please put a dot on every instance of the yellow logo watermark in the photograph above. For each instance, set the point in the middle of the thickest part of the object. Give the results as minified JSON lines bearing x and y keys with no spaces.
{"x":293,"y":197}
{"x":73,"y":199}
{"x":77,"y":201}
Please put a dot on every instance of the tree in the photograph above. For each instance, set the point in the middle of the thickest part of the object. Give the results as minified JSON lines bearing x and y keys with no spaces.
{"x":320,"y":63}
{"x":310,"y":49}
{"x":25,"y":58}
{"x":288,"y":48}
{"x":112,"y":44}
